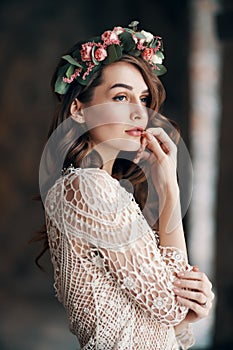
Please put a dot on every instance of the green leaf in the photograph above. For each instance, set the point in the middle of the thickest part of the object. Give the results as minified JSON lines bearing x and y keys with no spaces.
{"x":93,"y":55}
{"x":139,"y":35}
{"x":161,"y":69}
{"x":63,"y":69}
{"x":77,"y":55}
{"x":160,"y":54}
{"x":133,"y":25}
{"x":153,"y":44}
{"x":127,"y":41}
{"x":128,"y":30}
{"x":70,"y":71}
{"x":161,"y":46}
{"x":71,"y":60}
{"x":114,"y":54}
{"x":135,"y":53}
{"x":60,"y":86}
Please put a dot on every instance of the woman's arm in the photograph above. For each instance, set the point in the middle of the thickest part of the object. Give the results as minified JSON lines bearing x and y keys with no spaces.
{"x":163,"y":172}
{"x":95,"y":209}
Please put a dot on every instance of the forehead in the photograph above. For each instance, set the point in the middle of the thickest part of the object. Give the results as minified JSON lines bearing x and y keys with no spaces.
{"x":123,"y":72}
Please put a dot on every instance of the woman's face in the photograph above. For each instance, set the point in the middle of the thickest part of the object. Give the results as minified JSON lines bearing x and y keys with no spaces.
{"x":117,"y":113}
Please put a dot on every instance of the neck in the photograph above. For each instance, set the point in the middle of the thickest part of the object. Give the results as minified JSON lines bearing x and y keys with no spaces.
{"x":107,"y":166}
{"x":108,"y":156}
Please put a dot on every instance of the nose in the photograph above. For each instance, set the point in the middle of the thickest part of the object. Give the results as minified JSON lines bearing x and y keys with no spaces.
{"x":137,"y":111}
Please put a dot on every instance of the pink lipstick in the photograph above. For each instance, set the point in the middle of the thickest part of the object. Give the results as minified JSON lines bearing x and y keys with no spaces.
{"x":137,"y":131}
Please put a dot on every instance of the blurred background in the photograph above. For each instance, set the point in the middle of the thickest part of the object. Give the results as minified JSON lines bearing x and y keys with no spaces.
{"x":198,"y":37}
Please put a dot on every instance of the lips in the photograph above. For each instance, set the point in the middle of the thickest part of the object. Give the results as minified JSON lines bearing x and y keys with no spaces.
{"x":137,"y":131}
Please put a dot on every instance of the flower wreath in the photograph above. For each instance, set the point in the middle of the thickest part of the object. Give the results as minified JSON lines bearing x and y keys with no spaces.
{"x":106,"y":49}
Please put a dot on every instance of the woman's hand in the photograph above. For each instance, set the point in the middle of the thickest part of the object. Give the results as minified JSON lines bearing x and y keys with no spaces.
{"x":161,"y":152}
{"x":162,"y":158}
{"x":194,"y":290}
{"x":158,"y":142}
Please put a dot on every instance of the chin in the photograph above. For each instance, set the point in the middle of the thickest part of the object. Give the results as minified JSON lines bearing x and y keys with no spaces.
{"x":131,"y":149}
{"x":130,"y":146}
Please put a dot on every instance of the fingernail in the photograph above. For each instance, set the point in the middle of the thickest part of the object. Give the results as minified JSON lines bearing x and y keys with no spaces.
{"x":196,"y":268}
{"x":177,"y":282}
{"x":180,"y":274}
{"x":150,"y":136}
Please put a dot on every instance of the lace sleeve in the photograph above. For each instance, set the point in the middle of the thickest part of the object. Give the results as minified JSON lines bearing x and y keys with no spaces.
{"x":97,"y":210}
{"x":185,"y":338}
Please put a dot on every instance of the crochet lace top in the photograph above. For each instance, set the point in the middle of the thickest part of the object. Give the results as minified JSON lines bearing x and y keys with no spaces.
{"x":111,"y":275}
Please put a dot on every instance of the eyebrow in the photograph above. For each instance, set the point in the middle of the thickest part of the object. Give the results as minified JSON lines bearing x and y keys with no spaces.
{"x":126,"y":87}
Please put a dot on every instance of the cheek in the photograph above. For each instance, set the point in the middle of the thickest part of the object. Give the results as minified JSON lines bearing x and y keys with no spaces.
{"x":100,"y":115}
{"x":106,"y":132}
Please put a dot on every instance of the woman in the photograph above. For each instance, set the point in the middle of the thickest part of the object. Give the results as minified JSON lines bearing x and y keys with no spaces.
{"x":113,"y":218}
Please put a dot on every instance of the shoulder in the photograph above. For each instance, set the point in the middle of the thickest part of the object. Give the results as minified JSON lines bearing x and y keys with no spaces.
{"x":93,"y":187}
{"x":92,"y":204}
{"x":95,"y":178}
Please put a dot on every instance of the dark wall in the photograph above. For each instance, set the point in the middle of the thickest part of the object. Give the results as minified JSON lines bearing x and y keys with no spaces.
{"x":33,"y":36}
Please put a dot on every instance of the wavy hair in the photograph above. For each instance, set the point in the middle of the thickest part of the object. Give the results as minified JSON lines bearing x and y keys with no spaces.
{"x":80,"y":153}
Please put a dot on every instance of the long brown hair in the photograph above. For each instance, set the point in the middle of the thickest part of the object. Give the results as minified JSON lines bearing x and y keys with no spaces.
{"x":79,"y":151}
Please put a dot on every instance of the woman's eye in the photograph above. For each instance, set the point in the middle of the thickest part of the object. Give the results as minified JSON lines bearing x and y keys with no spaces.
{"x":145,"y":99}
{"x":119,"y":98}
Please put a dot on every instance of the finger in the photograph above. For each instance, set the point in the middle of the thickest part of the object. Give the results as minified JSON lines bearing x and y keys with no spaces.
{"x":200,"y":310}
{"x":192,"y":295}
{"x":154,"y":146}
{"x":197,"y":281}
{"x":192,"y":305}
{"x":199,"y":286}
{"x":143,"y":142}
{"x":188,"y":283}
{"x":163,"y":138}
{"x":195,"y":268}
{"x":196,"y":286}
{"x":195,"y":275}
{"x":141,"y":154}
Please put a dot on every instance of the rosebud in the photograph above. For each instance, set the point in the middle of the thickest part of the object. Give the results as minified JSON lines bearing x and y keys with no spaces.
{"x":148,"y":53}
{"x":100,"y":54}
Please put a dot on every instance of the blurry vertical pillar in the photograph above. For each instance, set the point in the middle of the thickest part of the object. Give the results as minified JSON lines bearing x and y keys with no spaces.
{"x":224,"y":272}
{"x":204,"y":122}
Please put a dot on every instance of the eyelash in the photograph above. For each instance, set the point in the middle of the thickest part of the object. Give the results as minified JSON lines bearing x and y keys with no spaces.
{"x":120,"y":96}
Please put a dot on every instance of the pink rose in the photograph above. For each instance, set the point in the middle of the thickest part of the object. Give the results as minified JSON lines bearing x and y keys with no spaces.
{"x":110,"y":38}
{"x":148,"y":53}
{"x":100,"y":54}
{"x":118,"y":30}
{"x":86,"y":52}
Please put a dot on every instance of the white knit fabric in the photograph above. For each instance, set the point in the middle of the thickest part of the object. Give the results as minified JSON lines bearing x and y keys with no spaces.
{"x":111,"y":276}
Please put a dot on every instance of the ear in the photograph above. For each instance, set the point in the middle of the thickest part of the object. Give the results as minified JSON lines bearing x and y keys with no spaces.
{"x":76,"y":111}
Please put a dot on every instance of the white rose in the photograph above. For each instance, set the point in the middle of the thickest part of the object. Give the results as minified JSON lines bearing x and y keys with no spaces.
{"x":158,"y":58}
{"x":149,"y":37}
{"x":118,"y":30}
